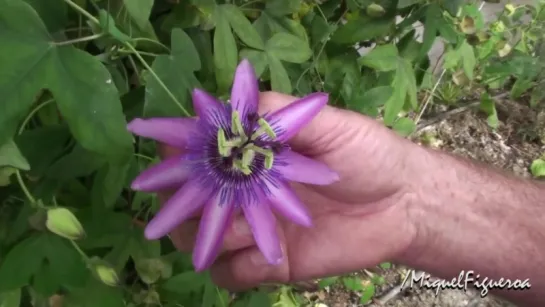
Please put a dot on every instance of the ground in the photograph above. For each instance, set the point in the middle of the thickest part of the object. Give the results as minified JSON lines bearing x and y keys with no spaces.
{"x":518,"y":140}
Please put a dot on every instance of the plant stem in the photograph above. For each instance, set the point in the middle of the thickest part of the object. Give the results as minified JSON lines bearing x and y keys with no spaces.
{"x":80,"y":251}
{"x":25,"y":189}
{"x":169,"y":93}
{"x":141,"y":52}
{"x":138,"y":56}
{"x":144,"y":39}
{"x":82,"y":11}
{"x":79,"y":39}
{"x":143,"y":157}
{"x":32,"y":113}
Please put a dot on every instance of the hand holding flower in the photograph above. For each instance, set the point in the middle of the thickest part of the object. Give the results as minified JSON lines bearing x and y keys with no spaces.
{"x":235,"y":166}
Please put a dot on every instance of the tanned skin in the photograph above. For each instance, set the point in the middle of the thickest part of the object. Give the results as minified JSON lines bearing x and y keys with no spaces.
{"x":395,"y":201}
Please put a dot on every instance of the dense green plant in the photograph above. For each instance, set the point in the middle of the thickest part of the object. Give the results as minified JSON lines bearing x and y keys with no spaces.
{"x":73,"y":72}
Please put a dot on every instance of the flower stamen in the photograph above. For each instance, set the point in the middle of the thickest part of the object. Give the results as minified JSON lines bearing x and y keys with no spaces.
{"x":264,"y":127}
{"x":237,"y":164}
{"x":267,"y":153}
{"x":236,"y":125}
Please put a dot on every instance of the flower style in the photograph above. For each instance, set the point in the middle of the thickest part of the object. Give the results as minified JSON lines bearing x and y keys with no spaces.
{"x":232,"y":158}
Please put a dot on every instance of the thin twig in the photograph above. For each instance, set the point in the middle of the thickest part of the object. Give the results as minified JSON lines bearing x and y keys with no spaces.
{"x":444,"y":115}
{"x":381,"y":301}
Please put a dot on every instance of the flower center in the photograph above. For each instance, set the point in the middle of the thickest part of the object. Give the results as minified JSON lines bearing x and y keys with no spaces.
{"x":241,"y":149}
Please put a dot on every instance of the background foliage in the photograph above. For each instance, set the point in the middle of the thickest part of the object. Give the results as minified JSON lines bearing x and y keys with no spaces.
{"x":74,"y":72}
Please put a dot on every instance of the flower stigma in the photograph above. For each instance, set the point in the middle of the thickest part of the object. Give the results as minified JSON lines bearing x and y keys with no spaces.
{"x":241,"y":150}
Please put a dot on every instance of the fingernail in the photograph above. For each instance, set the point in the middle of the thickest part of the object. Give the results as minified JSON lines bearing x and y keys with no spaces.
{"x":258,"y":259}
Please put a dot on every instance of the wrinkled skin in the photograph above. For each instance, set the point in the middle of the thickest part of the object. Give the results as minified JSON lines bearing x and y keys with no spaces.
{"x":359,"y":221}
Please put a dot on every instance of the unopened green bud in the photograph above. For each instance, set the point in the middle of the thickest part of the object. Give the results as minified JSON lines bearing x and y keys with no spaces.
{"x":375,"y":10}
{"x":64,"y":223}
{"x":107,"y":275}
{"x":510,"y":8}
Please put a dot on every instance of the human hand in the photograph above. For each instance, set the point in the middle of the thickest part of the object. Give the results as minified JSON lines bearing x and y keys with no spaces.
{"x":358,"y":222}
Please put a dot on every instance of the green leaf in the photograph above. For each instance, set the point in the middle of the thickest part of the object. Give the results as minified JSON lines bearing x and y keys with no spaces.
{"x":257,"y":58}
{"x":82,"y":87}
{"x":404,"y":126}
{"x":488,"y":106}
{"x":70,"y":166}
{"x":433,"y":19}
{"x":94,"y":294}
{"x":177,"y":73}
{"x":404,"y":86}
{"x":328,"y":281}
{"x":151,"y":270}
{"x":185,"y":283}
{"x":63,"y":266}
{"x":139,"y":10}
{"x":538,"y":168}
{"x":282,"y":7}
{"x":369,"y":100}
{"x":109,"y":182}
{"x":401,"y":4}
{"x":381,"y":58}
{"x":225,"y":53}
{"x":289,"y":48}
{"x":10,"y":298}
{"x":363,"y":28}
{"x":107,"y":23}
{"x":386,"y":265}
{"x":352,"y":283}
{"x":10,"y":155}
{"x":20,"y":263}
{"x":54,"y":13}
{"x":42,"y":146}
{"x":367,"y":293}
{"x":242,"y":26}
{"x":280,"y":80}
{"x":467,"y":53}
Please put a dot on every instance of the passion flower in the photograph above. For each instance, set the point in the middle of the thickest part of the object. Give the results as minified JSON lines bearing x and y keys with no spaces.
{"x":232,"y":159}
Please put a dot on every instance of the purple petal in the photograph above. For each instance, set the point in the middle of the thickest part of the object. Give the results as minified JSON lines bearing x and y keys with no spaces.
{"x":214,"y":221}
{"x":167,"y":174}
{"x":284,"y":200}
{"x":263,"y":225}
{"x":204,"y":103}
{"x":245,"y":91}
{"x":169,"y":130}
{"x":290,"y":119}
{"x":306,"y":170}
{"x":182,"y":205}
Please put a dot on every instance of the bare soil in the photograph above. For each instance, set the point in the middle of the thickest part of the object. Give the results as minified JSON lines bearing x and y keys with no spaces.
{"x":518,"y":140}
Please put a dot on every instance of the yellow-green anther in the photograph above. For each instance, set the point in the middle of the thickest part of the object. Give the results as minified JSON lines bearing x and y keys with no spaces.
{"x":264,"y":127}
{"x":247,"y":158}
{"x":234,"y":142}
{"x":244,"y":169}
{"x":269,"y":161}
{"x":222,"y":146}
{"x":64,"y":223}
{"x":265,"y":152}
{"x":236,"y":124}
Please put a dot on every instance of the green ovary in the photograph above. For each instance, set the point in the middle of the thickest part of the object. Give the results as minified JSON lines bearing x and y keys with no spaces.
{"x":246,"y":149}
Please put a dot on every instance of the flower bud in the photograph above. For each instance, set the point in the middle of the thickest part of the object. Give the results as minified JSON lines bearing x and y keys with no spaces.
{"x":375,"y":10}
{"x":107,"y":275}
{"x":64,"y":223}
